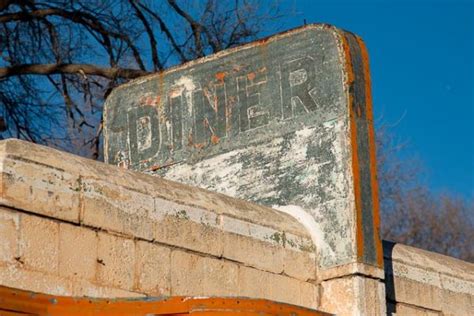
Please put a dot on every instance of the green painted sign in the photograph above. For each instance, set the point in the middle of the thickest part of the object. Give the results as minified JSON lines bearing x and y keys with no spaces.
{"x":285,"y":122}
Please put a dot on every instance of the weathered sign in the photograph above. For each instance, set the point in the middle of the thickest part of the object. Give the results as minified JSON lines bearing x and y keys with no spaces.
{"x":284,"y":121}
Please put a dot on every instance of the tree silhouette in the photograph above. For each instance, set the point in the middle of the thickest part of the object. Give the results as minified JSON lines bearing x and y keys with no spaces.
{"x":60,"y":58}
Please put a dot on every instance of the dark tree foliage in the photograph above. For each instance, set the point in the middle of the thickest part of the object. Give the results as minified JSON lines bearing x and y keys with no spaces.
{"x":60,"y":58}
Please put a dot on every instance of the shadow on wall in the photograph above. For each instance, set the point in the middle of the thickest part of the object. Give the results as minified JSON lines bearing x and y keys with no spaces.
{"x":389,"y":278}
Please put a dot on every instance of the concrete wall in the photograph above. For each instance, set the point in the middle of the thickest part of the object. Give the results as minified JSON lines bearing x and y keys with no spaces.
{"x":72,"y":226}
{"x":420,"y":282}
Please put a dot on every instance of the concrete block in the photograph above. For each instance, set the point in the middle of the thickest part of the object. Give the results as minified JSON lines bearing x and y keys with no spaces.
{"x":195,"y":275}
{"x":371,"y":296}
{"x":428,"y":281}
{"x":266,"y":256}
{"x":254,"y":253}
{"x":39,"y":241}
{"x":78,"y":252}
{"x":458,"y":284}
{"x":301,"y":265}
{"x":16,"y":276}
{"x":457,"y":303}
{"x":9,"y":234}
{"x":116,"y":208}
{"x":338,"y":296}
{"x":116,"y":262}
{"x":429,"y":261}
{"x":40,"y":189}
{"x":285,"y":289}
{"x":414,"y":293}
{"x":309,"y":295}
{"x":408,"y":310}
{"x":101,"y":184}
{"x":254,"y":283}
{"x":82,"y":288}
{"x":19,"y":277}
{"x":353,"y":295}
{"x":153,"y":266}
{"x":178,"y":230}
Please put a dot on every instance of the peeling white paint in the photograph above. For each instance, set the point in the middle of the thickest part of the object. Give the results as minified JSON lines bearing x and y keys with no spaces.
{"x":321,"y":181}
{"x":308,"y":221}
{"x":186,"y":85}
{"x":222,"y":171}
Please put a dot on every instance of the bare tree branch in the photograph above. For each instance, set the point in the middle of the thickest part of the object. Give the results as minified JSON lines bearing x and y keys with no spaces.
{"x":61,"y":58}
{"x":167,"y":32}
{"x":195,"y":26}
{"x":49,"y":69}
{"x":81,"y":17}
{"x":154,"y":52}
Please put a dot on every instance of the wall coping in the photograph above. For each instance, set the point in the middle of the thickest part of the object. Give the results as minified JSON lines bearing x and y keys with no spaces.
{"x":428,"y":267}
{"x":53,"y":170}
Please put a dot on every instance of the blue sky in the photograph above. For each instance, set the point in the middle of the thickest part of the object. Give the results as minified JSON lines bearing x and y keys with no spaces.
{"x":421,"y":58}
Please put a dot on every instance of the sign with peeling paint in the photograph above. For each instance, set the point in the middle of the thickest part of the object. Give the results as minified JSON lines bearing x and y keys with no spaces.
{"x":285,"y":122}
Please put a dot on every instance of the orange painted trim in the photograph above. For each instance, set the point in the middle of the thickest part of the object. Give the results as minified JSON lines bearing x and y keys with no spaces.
{"x":355,"y":156}
{"x":13,"y":300}
{"x":372,"y":153}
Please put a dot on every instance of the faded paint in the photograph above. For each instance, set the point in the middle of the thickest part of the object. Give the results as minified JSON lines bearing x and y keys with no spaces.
{"x":313,"y":227}
{"x":271,"y":122}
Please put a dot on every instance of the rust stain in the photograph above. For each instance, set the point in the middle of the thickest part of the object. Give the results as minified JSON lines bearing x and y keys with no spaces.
{"x":25,"y":302}
{"x":251,"y":76}
{"x":192,"y":144}
{"x":158,"y":167}
{"x":214,"y":139}
{"x":212,"y":97}
{"x":262,"y":41}
{"x":355,"y":156}
{"x":220,"y":76}
{"x":161,"y":80}
{"x":347,"y":53}
{"x":372,"y":153}
{"x":149,"y":101}
{"x":199,"y":146}
{"x":155,"y":167}
{"x":157,"y":100}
